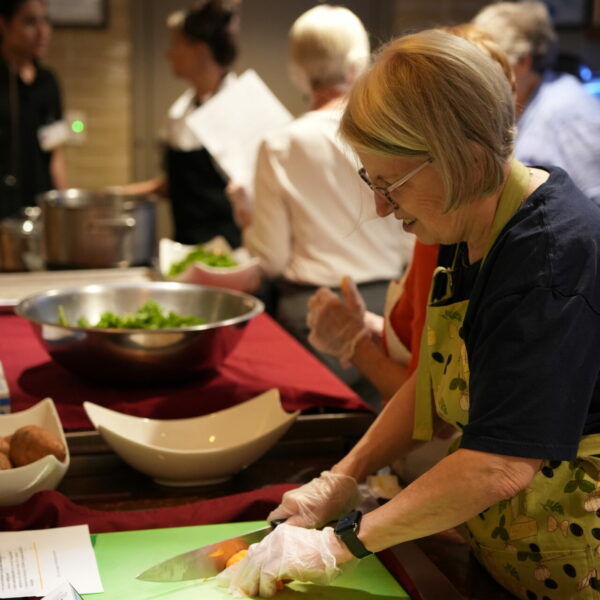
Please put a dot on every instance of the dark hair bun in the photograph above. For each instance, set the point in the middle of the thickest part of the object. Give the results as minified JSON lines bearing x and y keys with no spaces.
{"x":211,"y":21}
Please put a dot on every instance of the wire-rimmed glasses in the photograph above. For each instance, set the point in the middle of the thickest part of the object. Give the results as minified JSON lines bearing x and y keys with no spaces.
{"x":386,"y":192}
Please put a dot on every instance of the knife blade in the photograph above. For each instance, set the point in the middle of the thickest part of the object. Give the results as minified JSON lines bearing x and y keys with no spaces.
{"x":206,"y":561}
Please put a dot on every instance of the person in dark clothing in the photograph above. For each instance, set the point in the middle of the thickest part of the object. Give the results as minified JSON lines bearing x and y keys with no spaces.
{"x":202,"y":49}
{"x":31,"y":129}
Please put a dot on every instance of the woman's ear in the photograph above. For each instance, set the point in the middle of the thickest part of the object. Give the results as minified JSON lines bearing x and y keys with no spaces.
{"x":203,"y":52}
{"x":523,"y":65}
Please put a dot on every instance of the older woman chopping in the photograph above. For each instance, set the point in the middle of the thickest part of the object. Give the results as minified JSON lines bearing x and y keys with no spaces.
{"x":509,"y":350}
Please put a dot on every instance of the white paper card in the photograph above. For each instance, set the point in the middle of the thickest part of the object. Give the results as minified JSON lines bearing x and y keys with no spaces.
{"x":53,"y":135}
{"x":65,"y":591}
{"x":232,"y":123}
{"x":34,"y":563}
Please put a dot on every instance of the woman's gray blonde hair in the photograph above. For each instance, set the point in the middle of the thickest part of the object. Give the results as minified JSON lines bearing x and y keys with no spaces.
{"x":435,"y":94}
{"x":521,"y":29}
{"x":328,"y":48}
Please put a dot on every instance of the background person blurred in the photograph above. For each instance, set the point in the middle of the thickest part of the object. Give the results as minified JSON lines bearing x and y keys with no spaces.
{"x":388,"y":356}
{"x":558,"y":120}
{"x":204,"y":45}
{"x":31,"y":126}
{"x":309,"y":224}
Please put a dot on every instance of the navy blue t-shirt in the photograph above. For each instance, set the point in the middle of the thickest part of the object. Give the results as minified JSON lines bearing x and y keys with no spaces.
{"x":532,"y":329}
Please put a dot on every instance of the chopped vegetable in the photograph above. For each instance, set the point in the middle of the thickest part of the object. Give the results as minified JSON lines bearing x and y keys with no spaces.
{"x":149,"y":316}
{"x":234,"y":558}
{"x":62,"y":317}
{"x":200,"y":254}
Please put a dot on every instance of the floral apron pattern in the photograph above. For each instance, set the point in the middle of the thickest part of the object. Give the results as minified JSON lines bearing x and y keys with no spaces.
{"x":543,"y":544}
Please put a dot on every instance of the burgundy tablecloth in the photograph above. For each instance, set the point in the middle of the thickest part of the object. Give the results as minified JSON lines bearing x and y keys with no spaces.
{"x":266,"y":357}
{"x":51,"y":509}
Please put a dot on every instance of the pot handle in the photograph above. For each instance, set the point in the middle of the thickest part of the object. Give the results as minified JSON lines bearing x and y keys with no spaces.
{"x":113,"y":223}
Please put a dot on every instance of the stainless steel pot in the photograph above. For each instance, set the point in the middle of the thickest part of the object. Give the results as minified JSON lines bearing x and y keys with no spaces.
{"x":20,"y":241}
{"x":84,"y":229}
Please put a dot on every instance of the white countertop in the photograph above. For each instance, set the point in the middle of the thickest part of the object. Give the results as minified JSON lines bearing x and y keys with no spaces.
{"x":16,"y":286}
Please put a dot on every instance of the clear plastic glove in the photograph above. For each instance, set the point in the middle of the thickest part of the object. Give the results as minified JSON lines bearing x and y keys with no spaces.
{"x":288,"y":553}
{"x":374,"y":323}
{"x":337,"y":324}
{"x":316,"y":503}
{"x":241,"y":204}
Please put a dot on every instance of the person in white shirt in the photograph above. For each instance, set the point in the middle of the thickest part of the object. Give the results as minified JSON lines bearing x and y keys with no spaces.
{"x":312,"y":222}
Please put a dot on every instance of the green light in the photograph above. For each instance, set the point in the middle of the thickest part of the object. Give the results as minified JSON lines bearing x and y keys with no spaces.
{"x":77,"y":126}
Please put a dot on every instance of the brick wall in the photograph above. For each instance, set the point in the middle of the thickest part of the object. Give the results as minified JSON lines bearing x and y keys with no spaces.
{"x":94,"y":69}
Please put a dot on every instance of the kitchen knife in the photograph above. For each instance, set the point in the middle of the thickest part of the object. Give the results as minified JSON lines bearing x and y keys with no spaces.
{"x":206,"y":561}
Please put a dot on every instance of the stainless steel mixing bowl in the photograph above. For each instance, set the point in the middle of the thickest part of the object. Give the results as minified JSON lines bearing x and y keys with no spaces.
{"x":140,"y":356}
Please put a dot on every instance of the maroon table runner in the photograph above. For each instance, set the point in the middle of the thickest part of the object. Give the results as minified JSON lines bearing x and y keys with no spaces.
{"x":266,"y":357}
{"x":52,"y":509}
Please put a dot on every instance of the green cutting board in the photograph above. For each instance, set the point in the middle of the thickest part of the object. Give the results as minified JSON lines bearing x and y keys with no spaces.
{"x":124,"y":554}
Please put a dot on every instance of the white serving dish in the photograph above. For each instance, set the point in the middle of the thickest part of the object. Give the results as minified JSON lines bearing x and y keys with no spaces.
{"x":198,"y":450}
{"x":245,"y":277}
{"x":20,"y":483}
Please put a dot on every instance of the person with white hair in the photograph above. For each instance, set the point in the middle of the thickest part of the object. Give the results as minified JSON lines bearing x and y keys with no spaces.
{"x":309,"y":226}
{"x":558,"y":121}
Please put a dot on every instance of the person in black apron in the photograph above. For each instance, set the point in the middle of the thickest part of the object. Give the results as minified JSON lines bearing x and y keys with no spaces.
{"x":509,"y":352}
{"x":203,"y":47}
{"x":31,"y":126}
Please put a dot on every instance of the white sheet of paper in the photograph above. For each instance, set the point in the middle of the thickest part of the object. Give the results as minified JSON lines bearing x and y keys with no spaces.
{"x":232,"y":123}
{"x":65,"y":591}
{"x":34,"y":563}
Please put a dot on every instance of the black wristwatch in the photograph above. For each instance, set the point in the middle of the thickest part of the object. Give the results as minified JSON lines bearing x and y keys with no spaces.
{"x":347,"y":529}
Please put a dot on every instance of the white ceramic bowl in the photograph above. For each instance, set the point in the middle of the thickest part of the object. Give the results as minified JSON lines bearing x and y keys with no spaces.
{"x":245,"y":277}
{"x":199,"y":450}
{"x":19,"y":483}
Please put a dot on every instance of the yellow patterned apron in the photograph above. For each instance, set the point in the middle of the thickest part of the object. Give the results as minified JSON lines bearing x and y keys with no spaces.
{"x":543,"y":544}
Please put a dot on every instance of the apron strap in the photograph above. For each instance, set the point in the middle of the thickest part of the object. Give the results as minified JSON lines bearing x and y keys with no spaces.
{"x":510,"y":200}
{"x":424,"y":407}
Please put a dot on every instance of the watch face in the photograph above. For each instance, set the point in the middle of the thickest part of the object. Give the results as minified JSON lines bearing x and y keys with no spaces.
{"x":346,"y":529}
{"x":345,"y":522}
{"x":349,"y":521}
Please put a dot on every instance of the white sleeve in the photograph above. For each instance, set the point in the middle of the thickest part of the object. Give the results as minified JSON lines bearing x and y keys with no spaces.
{"x":269,"y":235}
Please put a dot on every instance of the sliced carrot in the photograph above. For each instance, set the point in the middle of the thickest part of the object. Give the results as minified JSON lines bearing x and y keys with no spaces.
{"x":234,"y":558}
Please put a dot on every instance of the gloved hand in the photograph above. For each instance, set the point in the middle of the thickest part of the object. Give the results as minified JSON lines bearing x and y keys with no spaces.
{"x":288,"y":552}
{"x":374,"y":323}
{"x":316,"y":503}
{"x":337,"y":324}
{"x":241,"y":204}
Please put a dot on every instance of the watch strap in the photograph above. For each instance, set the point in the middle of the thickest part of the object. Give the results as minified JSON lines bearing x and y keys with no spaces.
{"x":347,"y":529}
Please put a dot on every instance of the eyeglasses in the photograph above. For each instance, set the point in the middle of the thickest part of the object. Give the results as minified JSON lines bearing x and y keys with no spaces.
{"x":386,"y":192}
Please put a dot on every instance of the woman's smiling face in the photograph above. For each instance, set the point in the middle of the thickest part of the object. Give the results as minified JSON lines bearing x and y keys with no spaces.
{"x":420,"y":200}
